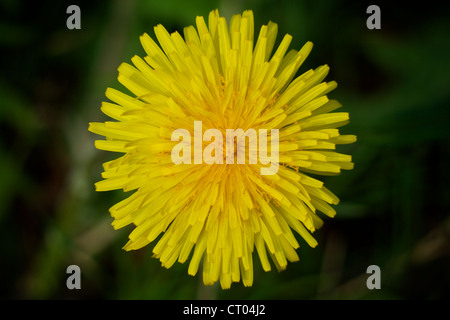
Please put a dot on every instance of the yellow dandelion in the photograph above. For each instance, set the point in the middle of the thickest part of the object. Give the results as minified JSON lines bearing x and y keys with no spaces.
{"x":203,"y":204}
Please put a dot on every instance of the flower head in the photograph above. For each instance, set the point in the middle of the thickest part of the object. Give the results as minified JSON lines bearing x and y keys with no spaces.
{"x":219,"y":211}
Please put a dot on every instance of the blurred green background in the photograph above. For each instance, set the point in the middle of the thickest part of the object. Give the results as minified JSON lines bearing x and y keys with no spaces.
{"x":395,"y":204}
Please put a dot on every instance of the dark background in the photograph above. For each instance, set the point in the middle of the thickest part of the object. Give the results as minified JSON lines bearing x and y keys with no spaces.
{"x":394,"y":209}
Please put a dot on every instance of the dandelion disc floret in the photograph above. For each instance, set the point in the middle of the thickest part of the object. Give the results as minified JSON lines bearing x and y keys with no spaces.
{"x":215,"y":212}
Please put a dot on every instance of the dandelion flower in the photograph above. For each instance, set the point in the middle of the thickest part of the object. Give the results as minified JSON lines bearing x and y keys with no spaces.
{"x":216,"y":213}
